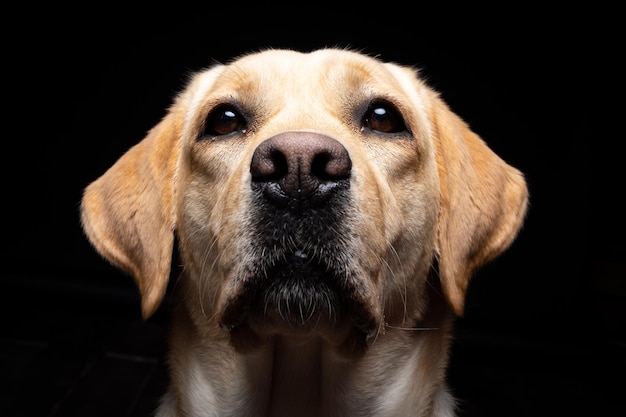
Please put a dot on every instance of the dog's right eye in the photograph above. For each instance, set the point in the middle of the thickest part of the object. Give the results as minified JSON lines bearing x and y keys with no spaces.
{"x":223,"y":120}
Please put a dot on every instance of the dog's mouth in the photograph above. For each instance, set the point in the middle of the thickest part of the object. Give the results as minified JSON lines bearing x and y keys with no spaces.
{"x":300,"y":296}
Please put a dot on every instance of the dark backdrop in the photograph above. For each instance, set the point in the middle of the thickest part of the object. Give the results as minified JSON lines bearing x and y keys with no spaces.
{"x":83,"y":85}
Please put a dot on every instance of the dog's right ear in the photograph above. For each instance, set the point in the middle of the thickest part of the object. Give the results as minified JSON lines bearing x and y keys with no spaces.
{"x":129,"y":213}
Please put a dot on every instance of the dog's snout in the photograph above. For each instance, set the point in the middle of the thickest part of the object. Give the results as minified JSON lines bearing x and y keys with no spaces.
{"x":301,"y":166}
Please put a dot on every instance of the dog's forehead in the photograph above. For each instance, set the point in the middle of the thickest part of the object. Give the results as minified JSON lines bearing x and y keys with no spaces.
{"x":293,"y":74}
{"x":302,"y":68}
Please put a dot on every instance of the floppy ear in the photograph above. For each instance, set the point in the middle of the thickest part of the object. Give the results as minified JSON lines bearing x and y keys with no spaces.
{"x":128,"y":213}
{"x":483,"y":203}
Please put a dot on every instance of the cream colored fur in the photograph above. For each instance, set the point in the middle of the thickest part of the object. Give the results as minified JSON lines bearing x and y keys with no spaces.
{"x":422,"y":209}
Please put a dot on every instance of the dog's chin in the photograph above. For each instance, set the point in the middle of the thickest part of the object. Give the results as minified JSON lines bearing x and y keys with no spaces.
{"x":299,"y":299}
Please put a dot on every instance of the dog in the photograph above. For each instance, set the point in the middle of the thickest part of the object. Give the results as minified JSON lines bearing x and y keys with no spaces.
{"x":328,"y":210}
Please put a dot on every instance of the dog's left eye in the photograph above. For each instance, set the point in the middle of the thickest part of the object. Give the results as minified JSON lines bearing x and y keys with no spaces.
{"x":223,"y":120}
{"x":383,"y":117}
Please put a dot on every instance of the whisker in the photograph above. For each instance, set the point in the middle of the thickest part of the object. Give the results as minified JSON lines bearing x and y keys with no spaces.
{"x":417,"y":329}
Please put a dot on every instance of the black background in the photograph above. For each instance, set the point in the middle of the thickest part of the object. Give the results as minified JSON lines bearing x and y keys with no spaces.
{"x":83,"y":85}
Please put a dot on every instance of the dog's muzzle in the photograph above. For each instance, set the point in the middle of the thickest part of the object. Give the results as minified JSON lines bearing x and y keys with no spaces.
{"x":303,"y":278}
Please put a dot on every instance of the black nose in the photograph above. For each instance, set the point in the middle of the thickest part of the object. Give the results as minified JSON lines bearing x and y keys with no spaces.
{"x":301,"y":167}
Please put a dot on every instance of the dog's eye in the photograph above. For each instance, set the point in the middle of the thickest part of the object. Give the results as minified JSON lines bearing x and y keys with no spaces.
{"x":383,"y":117}
{"x":224,"y":119}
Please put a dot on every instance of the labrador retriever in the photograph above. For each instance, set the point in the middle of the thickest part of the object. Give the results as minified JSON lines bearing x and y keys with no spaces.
{"x":329,"y":210}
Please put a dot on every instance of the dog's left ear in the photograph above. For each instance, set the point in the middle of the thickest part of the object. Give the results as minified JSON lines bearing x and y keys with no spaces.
{"x":128,"y":213}
{"x":483,"y":202}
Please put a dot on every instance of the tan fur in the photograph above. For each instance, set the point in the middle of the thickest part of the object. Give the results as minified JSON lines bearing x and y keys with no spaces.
{"x":434,"y":196}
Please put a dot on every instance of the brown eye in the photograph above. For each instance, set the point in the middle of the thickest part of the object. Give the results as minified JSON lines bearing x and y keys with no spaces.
{"x":223,"y":120}
{"x":383,"y":117}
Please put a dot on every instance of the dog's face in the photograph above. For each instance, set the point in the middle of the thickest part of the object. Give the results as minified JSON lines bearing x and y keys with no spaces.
{"x":311,"y":194}
{"x":310,"y":207}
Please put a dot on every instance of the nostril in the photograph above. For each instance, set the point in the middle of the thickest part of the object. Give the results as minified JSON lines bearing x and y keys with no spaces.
{"x":328,"y":166}
{"x":319,"y":165}
{"x":280,"y":165}
{"x":268,"y":165}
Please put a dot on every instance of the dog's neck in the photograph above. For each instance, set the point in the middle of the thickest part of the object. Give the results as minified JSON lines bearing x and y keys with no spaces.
{"x":303,"y":379}
{"x":302,"y":376}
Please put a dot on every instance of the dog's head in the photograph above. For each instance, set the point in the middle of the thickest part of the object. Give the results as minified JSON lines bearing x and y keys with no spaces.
{"x":310,"y":193}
